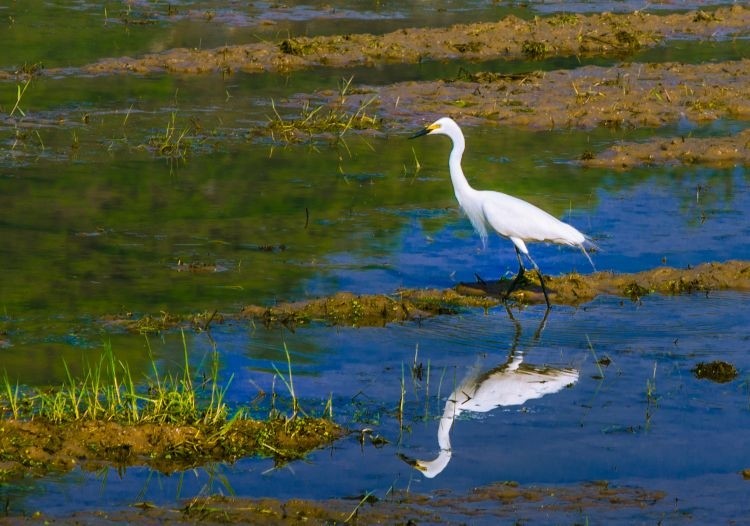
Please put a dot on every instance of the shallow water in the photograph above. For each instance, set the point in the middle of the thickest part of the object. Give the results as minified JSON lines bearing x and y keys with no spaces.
{"x":94,"y":223}
{"x":643,"y":420}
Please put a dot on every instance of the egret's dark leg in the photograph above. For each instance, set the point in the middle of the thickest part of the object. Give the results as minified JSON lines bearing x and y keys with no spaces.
{"x":542,"y":325}
{"x":520,"y":274}
{"x":541,"y":279}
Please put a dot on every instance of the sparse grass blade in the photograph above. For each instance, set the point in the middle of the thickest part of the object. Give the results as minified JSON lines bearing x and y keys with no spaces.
{"x":324,"y":119}
{"x":353,"y":514}
{"x":290,"y":382}
{"x":20,"y":91}
{"x":13,"y":396}
{"x":596,"y":360}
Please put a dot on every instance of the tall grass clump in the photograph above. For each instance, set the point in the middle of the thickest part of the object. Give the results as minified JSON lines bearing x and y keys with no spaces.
{"x":333,"y":119}
{"x":106,"y":390}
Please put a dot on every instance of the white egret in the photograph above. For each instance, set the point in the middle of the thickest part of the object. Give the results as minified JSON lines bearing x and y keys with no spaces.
{"x":509,"y":216}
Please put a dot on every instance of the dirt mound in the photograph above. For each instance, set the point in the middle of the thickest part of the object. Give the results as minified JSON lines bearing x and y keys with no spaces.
{"x":39,"y":446}
{"x":571,"y":289}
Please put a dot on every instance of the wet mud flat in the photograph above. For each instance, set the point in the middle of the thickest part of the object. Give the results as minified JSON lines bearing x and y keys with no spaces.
{"x":40,"y":447}
{"x":502,"y":501}
{"x":623,"y":97}
{"x":376,"y":310}
{"x":348,"y":308}
{"x":509,"y":38}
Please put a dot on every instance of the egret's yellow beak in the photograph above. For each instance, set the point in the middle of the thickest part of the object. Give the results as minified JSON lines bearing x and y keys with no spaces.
{"x":425,"y":130}
{"x":412,"y":461}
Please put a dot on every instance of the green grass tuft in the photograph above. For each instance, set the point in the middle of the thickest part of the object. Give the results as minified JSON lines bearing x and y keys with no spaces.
{"x":107,"y":391}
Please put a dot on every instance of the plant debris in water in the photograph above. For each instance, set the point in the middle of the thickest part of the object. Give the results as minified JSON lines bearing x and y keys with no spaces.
{"x":714,"y":151}
{"x":571,"y":289}
{"x":333,"y":118}
{"x":716,"y":371}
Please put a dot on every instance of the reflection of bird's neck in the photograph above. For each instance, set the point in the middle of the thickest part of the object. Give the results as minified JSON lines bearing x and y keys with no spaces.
{"x":432,"y":468}
{"x":450,"y":413}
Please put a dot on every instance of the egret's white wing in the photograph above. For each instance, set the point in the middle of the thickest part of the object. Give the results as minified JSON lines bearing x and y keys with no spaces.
{"x":513,"y":217}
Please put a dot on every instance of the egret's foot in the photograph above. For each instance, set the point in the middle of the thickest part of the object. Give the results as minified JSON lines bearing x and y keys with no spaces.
{"x":520,"y":278}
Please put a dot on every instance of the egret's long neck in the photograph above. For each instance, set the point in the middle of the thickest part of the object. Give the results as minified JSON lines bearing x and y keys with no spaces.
{"x":471,"y":207}
{"x":460,"y":184}
{"x":450,"y":413}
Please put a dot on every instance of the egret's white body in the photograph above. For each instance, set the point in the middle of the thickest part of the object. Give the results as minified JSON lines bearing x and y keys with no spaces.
{"x":509,"y":216}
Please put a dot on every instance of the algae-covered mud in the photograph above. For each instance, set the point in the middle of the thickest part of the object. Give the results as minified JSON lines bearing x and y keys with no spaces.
{"x":234,"y":291}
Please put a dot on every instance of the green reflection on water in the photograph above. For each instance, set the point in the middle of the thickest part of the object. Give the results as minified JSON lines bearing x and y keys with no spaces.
{"x":95,"y":222}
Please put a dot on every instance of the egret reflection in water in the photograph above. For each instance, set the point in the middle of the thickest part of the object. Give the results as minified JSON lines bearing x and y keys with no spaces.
{"x":511,"y":383}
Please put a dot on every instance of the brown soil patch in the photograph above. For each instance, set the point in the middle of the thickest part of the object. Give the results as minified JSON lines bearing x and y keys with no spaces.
{"x":627,"y":96}
{"x":569,"y":289}
{"x":39,"y":447}
{"x":346,"y":308}
{"x":375,"y":310}
{"x":510,"y":38}
{"x":502,"y":501}
{"x":573,"y":289}
{"x":715,"y":151}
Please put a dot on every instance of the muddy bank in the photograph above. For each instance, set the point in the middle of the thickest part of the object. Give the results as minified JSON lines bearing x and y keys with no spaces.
{"x":502,"y":501}
{"x":374,"y":310}
{"x":510,"y":38}
{"x":626,"y":96}
{"x":569,"y":289}
{"x":38,"y":447}
{"x":714,"y":151}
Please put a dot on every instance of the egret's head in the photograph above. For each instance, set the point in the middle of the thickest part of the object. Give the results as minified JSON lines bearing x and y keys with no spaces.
{"x":444,"y":126}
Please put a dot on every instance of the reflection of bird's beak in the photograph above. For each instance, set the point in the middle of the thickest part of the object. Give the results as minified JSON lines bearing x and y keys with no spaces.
{"x":423,"y":131}
{"x":413,"y":462}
